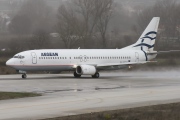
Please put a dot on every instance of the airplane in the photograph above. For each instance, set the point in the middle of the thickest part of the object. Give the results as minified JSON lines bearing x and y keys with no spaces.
{"x":88,"y":61}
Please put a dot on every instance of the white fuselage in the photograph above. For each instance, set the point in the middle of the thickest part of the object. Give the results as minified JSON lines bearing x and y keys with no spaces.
{"x":89,"y":62}
{"x":67,"y":60}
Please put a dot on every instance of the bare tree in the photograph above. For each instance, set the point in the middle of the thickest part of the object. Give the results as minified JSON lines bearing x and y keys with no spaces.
{"x":68,"y":26}
{"x":93,"y":11}
{"x":104,"y":19}
{"x":39,"y":40}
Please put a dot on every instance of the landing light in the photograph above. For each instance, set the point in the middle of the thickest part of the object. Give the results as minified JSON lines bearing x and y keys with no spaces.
{"x":75,"y":66}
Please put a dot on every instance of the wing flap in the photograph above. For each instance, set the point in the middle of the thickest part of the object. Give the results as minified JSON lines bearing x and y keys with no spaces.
{"x":119,"y":64}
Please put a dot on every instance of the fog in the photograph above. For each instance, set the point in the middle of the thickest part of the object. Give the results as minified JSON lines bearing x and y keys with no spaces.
{"x":37,"y":24}
{"x":90,"y":24}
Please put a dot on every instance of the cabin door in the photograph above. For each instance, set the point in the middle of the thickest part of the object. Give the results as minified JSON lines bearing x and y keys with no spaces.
{"x":136,"y":56}
{"x":34,"y":58}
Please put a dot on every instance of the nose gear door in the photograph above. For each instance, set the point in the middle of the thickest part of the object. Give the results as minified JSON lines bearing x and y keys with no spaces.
{"x":34,"y":58}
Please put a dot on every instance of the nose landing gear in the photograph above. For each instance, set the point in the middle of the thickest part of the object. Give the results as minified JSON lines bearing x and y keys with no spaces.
{"x":24,"y":76}
{"x":76,"y":75}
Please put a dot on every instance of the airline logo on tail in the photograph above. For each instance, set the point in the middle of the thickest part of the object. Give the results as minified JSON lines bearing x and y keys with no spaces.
{"x":147,"y":38}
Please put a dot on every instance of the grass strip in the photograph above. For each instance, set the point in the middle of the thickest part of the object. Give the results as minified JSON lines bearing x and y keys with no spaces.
{"x":157,"y":112}
{"x":15,"y":95}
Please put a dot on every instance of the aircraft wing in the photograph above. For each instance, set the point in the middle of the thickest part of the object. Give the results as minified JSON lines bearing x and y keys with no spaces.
{"x":119,"y":64}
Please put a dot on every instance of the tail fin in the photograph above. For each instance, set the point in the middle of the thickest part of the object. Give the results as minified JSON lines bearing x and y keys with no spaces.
{"x":147,"y":40}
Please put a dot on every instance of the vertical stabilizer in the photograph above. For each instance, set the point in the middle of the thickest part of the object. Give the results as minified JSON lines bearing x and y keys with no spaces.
{"x":147,"y":40}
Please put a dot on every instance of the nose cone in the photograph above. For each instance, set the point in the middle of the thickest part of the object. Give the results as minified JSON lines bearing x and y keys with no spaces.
{"x":9,"y":62}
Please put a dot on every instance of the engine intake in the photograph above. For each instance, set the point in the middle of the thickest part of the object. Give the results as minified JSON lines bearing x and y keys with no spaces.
{"x":85,"y":70}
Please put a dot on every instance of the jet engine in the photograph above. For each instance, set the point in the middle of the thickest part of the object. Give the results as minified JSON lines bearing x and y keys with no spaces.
{"x":85,"y":70}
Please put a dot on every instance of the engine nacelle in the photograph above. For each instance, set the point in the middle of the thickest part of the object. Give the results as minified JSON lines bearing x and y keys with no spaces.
{"x":85,"y":70}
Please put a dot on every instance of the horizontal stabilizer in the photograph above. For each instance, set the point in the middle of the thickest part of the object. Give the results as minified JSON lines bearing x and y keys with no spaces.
{"x":168,"y":51}
{"x":160,"y":52}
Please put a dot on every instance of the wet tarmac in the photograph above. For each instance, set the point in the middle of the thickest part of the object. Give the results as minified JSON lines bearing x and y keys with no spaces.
{"x":64,"y":95}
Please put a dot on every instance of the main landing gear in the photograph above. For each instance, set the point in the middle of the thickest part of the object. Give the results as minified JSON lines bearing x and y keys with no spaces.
{"x":76,"y":75}
{"x":96,"y":75}
{"x":24,"y":76}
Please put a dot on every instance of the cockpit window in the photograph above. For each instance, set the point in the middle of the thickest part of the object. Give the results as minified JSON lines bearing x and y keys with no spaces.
{"x":15,"y":57}
{"x":19,"y":56}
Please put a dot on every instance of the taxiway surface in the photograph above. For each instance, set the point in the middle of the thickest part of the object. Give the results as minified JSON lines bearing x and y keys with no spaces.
{"x":64,"y":95}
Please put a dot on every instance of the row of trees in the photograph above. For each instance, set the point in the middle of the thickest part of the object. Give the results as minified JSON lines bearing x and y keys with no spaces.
{"x":91,"y":24}
{"x":82,"y":20}
{"x":78,"y":21}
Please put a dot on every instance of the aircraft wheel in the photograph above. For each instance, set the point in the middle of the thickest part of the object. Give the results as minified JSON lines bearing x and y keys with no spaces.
{"x":24,"y":76}
{"x":76,"y":75}
{"x":96,"y":75}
